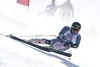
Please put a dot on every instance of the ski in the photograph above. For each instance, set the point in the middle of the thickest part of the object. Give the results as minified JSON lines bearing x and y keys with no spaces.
{"x":41,"y":47}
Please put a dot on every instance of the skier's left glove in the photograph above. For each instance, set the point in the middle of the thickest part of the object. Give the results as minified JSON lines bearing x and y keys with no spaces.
{"x":74,"y":46}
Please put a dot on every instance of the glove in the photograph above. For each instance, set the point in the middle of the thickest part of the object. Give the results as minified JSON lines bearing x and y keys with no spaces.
{"x":68,"y":43}
{"x":74,"y":46}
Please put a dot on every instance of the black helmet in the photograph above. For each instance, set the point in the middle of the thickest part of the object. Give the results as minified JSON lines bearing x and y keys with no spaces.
{"x":76,"y":25}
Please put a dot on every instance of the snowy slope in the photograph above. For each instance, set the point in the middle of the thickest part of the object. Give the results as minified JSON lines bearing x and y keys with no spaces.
{"x":15,"y":54}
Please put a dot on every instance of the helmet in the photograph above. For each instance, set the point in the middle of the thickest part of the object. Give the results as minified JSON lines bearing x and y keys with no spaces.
{"x":76,"y":25}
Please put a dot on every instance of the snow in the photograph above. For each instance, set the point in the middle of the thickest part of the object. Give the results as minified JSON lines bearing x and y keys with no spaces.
{"x":20,"y":20}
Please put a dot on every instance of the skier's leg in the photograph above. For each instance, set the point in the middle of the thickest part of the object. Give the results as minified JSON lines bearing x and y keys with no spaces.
{"x":40,"y":41}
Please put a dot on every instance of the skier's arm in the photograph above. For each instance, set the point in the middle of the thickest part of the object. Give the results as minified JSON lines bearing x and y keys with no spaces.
{"x":76,"y":45}
{"x":73,"y":45}
{"x":61,"y":33}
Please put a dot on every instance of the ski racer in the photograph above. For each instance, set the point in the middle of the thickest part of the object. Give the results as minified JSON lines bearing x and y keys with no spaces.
{"x":68,"y":37}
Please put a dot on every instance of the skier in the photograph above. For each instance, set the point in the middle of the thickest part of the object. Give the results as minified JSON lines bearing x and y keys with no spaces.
{"x":68,"y":37}
{"x":66,"y":11}
{"x":50,"y":9}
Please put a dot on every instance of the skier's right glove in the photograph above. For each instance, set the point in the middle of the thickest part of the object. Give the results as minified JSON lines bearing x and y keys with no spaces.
{"x":74,"y":46}
{"x":68,"y":44}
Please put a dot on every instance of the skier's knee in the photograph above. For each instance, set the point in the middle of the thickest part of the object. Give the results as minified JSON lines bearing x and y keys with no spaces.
{"x":48,"y":41}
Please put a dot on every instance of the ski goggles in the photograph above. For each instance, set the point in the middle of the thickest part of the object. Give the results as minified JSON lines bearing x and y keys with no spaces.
{"x":76,"y":27}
